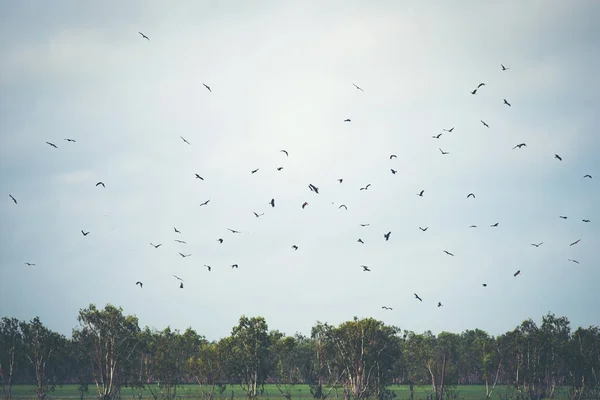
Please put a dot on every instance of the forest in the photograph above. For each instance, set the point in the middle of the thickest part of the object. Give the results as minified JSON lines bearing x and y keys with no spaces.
{"x":358,"y":359}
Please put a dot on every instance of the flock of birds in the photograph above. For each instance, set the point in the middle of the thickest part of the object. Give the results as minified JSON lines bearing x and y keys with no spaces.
{"x":315,"y":189}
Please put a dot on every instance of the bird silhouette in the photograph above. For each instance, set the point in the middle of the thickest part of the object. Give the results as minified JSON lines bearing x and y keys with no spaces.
{"x":180,"y":241}
{"x":504,"y":68}
{"x":181,"y":285}
{"x":559,"y":158}
{"x":12,"y":198}
{"x":178,"y":278}
{"x":451,"y":129}
{"x":257,"y":215}
{"x":363,"y":225}
{"x":494,"y":225}
{"x":424,"y":229}
{"x":480,"y":85}
{"x":84,"y":233}
{"x":444,"y":152}
{"x":304,"y":205}
{"x":393,"y":156}
{"x":417,"y":297}
{"x":387,"y":308}
{"x":51,"y":144}
{"x":284,"y":151}
{"x":233,"y":231}
{"x":484,"y":124}
{"x":506,"y":102}
{"x":587,"y":176}
{"x":199,"y":177}
{"x":575,"y":261}
{"x":205,"y":203}
{"x":439,"y":304}
{"x":393,"y":171}
{"x":519,"y":146}
{"x":343,"y":205}
{"x":421,"y":193}
{"x":562,"y":217}
{"x":366,"y":187}
{"x":234,"y":266}
{"x":184,"y":255}
{"x":220,"y":240}
{"x":175,"y":229}
{"x":387,"y":236}
{"x":472,"y":226}
{"x":208,"y":87}
{"x":141,"y":285}
{"x":30,"y":264}
{"x":437,"y":136}
{"x":358,"y":87}
{"x":484,"y":284}
{"x":360,"y":241}
{"x":517,"y":273}
{"x":182,"y":138}
{"x":447,"y":252}
{"x":156,"y":246}
{"x":144,"y":36}
{"x":575,"y":242}
{"x":313,"y":188}
{"x":537,"y":245}
{"x":586,"y":220}
{"x":279,"y":168}
{"x":254,"y":171}
{"x":340,"y":180}
{"x":208,"y":267}
{"x":101,"y":184}
{"x":70,"y":140}
{"x":474,"y":91}
{"x":294,"y":247}
{"x":347,"y":120}
{"x":365,"y":268}
{"x":272,"y":202}
{"x":470,"y":195}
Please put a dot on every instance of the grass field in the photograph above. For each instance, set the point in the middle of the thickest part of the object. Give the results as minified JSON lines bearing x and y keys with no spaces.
{"x":474,"y":392}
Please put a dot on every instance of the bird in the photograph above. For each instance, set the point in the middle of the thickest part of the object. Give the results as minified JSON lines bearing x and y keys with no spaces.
{"x":575,"y":242}
{"x":519,"y":146}
{"x":393,"y":171}
{"x":480,"y":85}
{"x":205,"y":203}
{"x":366,"y":187}
{"x":180,"y":241}
{"x":360,"y":241}
{"x":13,"y":199}
{"x":220,"y":240}
{"x":443,"y":152}
{"x":537,"y":245}
{"x":387,"y":236}
{"x":234,"y":266}
{"x":357,"y":87}
{"x":586,"y":220}
{"x":504,"y":68}
{"x":70,"y":140}
{"x":474,"y":91}
{"x":343,"y":205}
{"x":51,"y":144}
{"x":208,"y":267}
{"x":199,"y":177}
{"x":254,"y":170}
{"x":575,"y":261}
{"x":233,"y":231}
{"x":484,"y":124}
{"x":421,"y":193}
{"x":494,"y":225}
{"x":363,"y":225}
{"x":472,"y":226}
{"x":175,"y":229}
{"x":562,"y":217}
{"x":559,"y":158}
{"x":587,"y":176}
{"x":208,"y":87}
{"x":393,"y":156}
{"x":279,"y":168}
{"x":257,"y":215}
{"x":284,"y":151}
{"x":365,"y":268}
{"x":184,"y":255}
{"x":484,"y":284}
{"x":100,"y":183}
{"x":437,"y":136}
{"x":448,"y":130}
{"x":304,"y":204}
{"x":417,"y":297}
{"x":144,"y":36}
{"x":140,"y":284}
{"x":156,"y":246}
{"x":517,"y":273}
{"x":181,"y":285}
{"x":439,"y":304}
{"x":506,"y":102}
{"x":30,"y":264}
{"x":84,"y":233}
{"x":178,"y":278}
{"x":347,"y":120}
{"x":340,"y":180}
{"x":313,"y":188}
{"x":182,"y":138}
{"x":470,"y":195}
{"x":447,"y":252}
{"x":386,"y":308}
{"x":424,"y":229}
{"x":294,"y":247}
{"x":272,"y":202}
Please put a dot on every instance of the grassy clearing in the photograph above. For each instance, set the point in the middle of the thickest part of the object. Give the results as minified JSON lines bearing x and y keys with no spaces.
{"x":471,"y":392}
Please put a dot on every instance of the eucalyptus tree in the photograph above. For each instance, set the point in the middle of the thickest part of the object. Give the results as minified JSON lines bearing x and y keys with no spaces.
{"x":11,"y":344}
{"x":207,"y":367}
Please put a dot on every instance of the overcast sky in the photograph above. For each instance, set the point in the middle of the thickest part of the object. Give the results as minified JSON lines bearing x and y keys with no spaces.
{"x":281,"y":75}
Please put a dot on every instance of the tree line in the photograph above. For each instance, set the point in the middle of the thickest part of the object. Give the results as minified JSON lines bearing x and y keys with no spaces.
{"x":357,"y":359}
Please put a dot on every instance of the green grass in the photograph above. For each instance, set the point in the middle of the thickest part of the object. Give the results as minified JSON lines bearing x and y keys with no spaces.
{"x":470,"y":392}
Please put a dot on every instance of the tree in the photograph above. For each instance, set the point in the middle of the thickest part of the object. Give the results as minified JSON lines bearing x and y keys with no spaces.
{"x":207,"y":366}
{"x":108,"y":339}
{"x":40,"y":345}
{"x":11,"y":343}
{"x":288,"y":361}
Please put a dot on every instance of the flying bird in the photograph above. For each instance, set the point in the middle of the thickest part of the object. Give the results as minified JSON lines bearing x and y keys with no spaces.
{"x":257,"y":215}
{"x":294,"y":247}
{"x":506,"y":102}
{"x":474,"y":91}
{"x":51,"y":144}
{"x":387,"y":236}
{"x":439,"y":304}
{"x":101,"y":183}
{"x":279,"y":168}
{"x":234,"y":266}
{"x":480,"y":85}
{"x":144,"y":36}
{"x":30,"y":264}
{"x":484,"y":284}
{"x":343,"y":205}
{"x":443,"y":152}
{"x":358,"y":87}
{"x":517,"y":273}
{"x":393,"y":171}
{"x":178,"y":278}
{"x":220,"y":240}
{"x":393,"y":156}
{"x":313,"y":188}
{"x":363,"y":225}
{"x":417,"y":297}
{"x":208,"y":267}
{"x":13,"y":199}
{"x":205,"y":203}
{"x":472,"y":226}
{"x":575,"y":242}
{"x":70,"y":140}
{"x":424,"y":229}
{"x":484,"y":124}
{"x":272,"y":202}
{"x":587,"y":176}
{"x":562,"y":217}
{"x":448,"y":130}
{"x":340,"y":180}
{"x":437,"y":136}
{"x":519,"y":146}
{"x":575,"y":261}
{"x":140,"y":284}
{"x":84,"y":233}
{"x":182,"y":138}
{"x":184,"y":255}
{"x":347,"y":120}
{"x":386,"y":308}
{"x":494,"y":225}
{"x":181,"y":285}
{"x":304,"y":205}
{"x":233,"y":231}
{"x":504,"y":68}
{"x":199,"y":177}
{"x":537,"y":245}
{"x":470,"y":195}
{"x":365,"y":268}
{"x":421,"y":193}
{"x":366,"y":187}
{"x":208,"y":87}
{"x":180,"y":241}
{"x":175,"y":229}
{"x":156,"y":246}
{"x":586,"y":220}
{"x":360,"y":241}
{"x":559,"y":158}
{"x":447,"y":252}
{"x":254,"y":170}
{"x":284,"y":151}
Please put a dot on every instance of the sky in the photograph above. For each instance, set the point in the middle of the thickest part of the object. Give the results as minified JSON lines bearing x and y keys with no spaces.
{"x":281,"y":75}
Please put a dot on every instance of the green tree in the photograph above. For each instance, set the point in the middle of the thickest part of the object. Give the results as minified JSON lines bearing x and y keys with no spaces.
{"x":207,"y":367}
{"x":11,"y":344}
